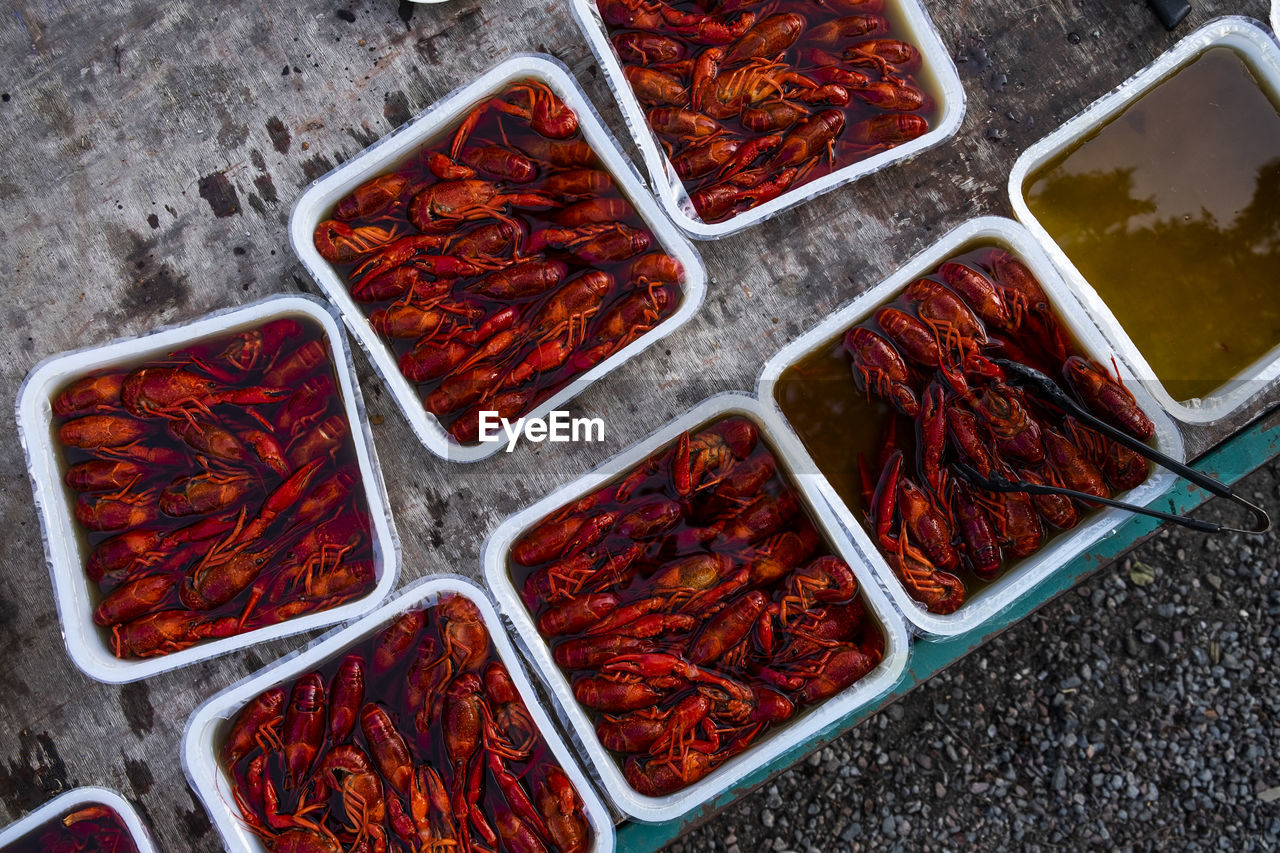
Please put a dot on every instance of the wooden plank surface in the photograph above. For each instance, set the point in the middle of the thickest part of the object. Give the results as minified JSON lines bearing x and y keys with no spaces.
{"x":152,"y":153}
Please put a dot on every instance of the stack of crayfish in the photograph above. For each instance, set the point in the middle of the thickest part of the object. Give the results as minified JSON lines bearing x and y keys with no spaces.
{"x":501,"y":263}
{"x":219,"y":488}
{"x":416,"y":740}
{"x":927,"y":356}
{"x":695,"y":605}
{"x":93,"y":828}
{"x":747,"y":103}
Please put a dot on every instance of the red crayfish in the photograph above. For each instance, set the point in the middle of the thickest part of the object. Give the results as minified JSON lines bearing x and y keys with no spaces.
{"x":926,"y":355}
{"x":499,"y":263}
{"x":417,"y":739}
{"x":204,"y":480}
{"x":694,"y":605}
{"x":749,"y":105}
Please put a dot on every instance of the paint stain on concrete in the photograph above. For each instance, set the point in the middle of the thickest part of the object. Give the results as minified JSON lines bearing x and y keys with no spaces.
{"x":35,"y":775}
{"x":217,"y":190}
{"x":279,"y":134}
{"x":135,"y":700}
{"x":396,"y":108}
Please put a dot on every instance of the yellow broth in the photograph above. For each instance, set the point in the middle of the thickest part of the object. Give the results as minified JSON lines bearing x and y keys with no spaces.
{"x":1171,"y":211}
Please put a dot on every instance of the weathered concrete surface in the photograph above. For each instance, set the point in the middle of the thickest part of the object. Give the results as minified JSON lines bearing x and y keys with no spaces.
{"x":152,"y":152}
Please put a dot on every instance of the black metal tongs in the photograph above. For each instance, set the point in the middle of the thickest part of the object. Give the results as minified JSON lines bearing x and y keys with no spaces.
{"x":1035,"y":381}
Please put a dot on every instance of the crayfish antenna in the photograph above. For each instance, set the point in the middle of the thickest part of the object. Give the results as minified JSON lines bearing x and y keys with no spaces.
{"x":214,"y":557}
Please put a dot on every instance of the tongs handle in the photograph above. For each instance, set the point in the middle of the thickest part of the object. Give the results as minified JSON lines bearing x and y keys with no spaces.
{"x":997,"y":483}
{"x":1021,"y":374}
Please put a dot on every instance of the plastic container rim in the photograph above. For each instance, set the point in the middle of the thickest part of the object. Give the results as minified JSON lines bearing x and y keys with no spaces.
{"x":670,"y":190}
{"x":67,"y":801}
{"x":204,"y":772}
{"x":309,"y":210}
{"x":604,"y":768}
{"x":1011,"y":585}
{"x":1245,"y":35}
{"x":72,"y":594}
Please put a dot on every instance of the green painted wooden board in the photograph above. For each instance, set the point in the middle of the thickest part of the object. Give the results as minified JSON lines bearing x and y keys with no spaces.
{"x":1228,"y":463}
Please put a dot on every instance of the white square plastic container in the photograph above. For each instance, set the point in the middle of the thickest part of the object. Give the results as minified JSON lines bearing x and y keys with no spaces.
{"x":1249,"y":39}
{"x":938,"y":66}
{"x":64,"y":542}
{"x":72,"y":800}
{"x":202,"y":739}
{"x":808,"y":723}
{"x":1014,"y":583}
{"x":434,"y":123}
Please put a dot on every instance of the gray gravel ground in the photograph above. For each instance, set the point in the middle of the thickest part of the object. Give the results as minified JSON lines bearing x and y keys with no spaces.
{"x":1139,"y":710}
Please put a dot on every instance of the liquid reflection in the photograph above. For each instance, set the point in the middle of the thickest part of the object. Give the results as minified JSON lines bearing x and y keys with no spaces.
{"x":1172,"y":214}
